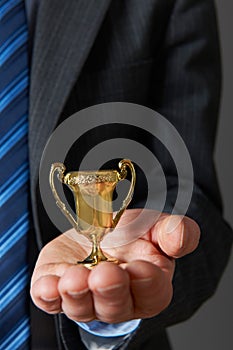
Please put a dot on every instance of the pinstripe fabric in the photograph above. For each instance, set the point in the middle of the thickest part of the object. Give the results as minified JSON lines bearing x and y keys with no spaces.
{"x":14,"y":173}
{"x":181,"y":81}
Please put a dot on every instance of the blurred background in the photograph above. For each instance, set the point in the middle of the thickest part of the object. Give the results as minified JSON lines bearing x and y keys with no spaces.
{"x":212,"y":326}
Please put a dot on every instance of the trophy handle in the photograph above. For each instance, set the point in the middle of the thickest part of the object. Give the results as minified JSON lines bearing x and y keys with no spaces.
{"x":123,"y":164}
{"x":60,"y":168}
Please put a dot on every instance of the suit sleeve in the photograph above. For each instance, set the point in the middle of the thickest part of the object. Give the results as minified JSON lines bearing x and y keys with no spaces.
{"x":186,"y":90}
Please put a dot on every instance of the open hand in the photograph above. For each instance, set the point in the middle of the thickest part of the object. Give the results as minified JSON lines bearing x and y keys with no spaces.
{"x":140,"y":286}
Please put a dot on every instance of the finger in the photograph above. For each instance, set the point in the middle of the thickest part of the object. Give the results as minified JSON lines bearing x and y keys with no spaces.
{"x":111,"y":293}
{"x":151,"y":288}
{"x":178,"y":236}
{"x":76,"y":297}
{"x":56,"y":269}
{"x":45,"y":295}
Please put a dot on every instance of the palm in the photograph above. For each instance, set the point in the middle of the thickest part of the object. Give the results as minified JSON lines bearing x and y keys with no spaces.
{"x":138,"y":287}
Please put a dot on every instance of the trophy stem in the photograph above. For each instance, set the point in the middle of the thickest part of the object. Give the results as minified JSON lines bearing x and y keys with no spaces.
{"x":93,"y":196}
{"x":96,"y":254}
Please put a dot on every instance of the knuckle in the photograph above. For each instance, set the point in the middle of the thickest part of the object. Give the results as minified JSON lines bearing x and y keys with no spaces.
{"x":54,"y":312}
{"x":109,"y":319}
{"x":79,"y":314}
{"x":79,"y":317}
{"x":52,"y":309}
{"x":116,"y":317}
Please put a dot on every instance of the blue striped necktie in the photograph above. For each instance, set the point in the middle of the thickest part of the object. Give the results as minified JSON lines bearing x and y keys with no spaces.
{"x":14,"y":216}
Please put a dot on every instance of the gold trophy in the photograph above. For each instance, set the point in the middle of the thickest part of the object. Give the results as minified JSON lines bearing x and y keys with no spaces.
{"x":93,"y":195}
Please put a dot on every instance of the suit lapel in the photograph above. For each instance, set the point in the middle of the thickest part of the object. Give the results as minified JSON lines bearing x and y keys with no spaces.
{"x":65,"y":32}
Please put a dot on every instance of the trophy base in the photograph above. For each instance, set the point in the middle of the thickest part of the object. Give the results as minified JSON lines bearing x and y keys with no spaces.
{"x":93,"y":260}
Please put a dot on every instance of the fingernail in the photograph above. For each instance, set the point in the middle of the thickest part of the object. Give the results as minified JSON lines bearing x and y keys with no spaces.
{"x":182,"y":237}
{"x":142,"y":280}
{"x":172,"y":224}
{"x":77,"y":294}
{"x":110,"y":289}
{"x":49,"y":300}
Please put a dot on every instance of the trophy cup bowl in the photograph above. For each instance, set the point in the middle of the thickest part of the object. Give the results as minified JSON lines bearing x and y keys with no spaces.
{"x":93,"y":197}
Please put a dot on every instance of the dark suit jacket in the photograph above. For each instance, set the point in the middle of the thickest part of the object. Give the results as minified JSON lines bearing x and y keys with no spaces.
{"x":160,"y":54}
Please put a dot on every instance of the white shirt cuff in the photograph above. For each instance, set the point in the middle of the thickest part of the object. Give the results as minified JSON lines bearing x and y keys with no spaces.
{"x":103,"y":329}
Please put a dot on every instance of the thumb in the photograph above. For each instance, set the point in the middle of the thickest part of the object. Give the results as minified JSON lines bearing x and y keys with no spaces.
{"x":177,"y":235}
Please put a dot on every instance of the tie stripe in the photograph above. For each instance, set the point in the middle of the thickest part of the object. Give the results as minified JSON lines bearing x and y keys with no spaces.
{"x":17,"y":336}
{"x":10,"y":47}
{"x":14,"y":135}
{"x":14,"y":176}
{"x":14,"y":183}
{"x":14,"y":287}
{"x":14,"y":234}
{"x":8,"y":7}
{"x":15,"y":88}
